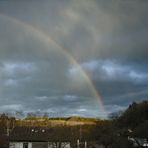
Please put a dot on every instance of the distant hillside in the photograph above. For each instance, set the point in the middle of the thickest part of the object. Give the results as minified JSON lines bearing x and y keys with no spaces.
{"x":84,"y":119}
{"x":72,"y":118}
{"x":58,"y":121}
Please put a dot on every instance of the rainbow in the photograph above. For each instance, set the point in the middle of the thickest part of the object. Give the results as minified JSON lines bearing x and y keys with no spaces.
{"x":46,"y":38}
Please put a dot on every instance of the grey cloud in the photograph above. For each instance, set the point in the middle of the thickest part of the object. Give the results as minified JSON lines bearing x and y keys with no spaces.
{"x":107,"y":38}
{"x":11,"y":107}
{"x":107,"y":70}
{"x":118,"y":83}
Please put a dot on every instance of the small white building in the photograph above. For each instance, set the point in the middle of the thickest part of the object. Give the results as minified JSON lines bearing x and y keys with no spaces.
{"x":20,"y":145}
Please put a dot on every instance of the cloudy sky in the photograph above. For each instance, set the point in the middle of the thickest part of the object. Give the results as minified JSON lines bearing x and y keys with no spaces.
{"x":65,"y":56}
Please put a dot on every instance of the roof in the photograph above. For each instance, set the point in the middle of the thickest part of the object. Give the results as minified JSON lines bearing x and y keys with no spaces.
{"x":3,"y":141}
{"x":38,"y":134}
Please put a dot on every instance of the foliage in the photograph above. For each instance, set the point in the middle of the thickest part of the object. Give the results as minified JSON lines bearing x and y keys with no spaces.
{"x":134,"y":115}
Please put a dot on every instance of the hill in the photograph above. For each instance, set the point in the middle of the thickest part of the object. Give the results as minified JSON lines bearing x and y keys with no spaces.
{"x":58,"y":121}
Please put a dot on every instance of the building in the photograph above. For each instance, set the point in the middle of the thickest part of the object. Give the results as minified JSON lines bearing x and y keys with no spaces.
{"x":36,"y":137}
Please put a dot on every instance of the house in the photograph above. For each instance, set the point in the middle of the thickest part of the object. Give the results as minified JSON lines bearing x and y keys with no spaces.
{"x":36,"y":137}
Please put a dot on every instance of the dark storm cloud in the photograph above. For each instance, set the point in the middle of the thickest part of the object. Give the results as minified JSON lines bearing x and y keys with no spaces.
{"x":108,"y":39}
{"x":119,"y":83}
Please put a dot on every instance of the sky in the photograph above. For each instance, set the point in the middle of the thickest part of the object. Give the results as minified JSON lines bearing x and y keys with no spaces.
{"x":73,"y":57}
